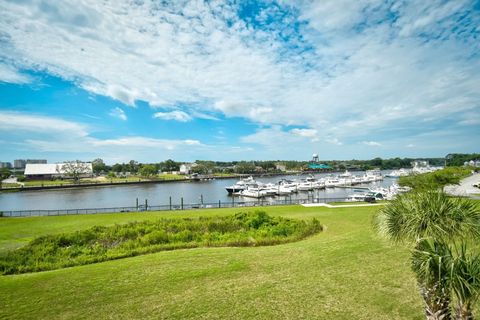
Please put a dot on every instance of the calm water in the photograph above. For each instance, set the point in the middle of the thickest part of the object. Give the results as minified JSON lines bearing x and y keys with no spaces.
{"x":157,"y":194}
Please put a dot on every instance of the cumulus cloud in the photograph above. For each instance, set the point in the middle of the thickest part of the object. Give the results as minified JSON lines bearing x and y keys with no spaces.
{"x":173,"y":115}
{"x":347,"y":69}
{"x":11,"y":75}
{"x":51,"y":134}
{"x":372,"y":143}
{"x":310,"y":133}
{"x":118,"y":113}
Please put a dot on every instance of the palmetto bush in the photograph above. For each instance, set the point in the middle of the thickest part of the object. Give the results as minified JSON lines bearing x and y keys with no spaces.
{"x":440,"y":231}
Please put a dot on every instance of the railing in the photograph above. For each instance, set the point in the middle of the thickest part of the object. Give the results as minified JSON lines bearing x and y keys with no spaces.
{"x":168,"y":207}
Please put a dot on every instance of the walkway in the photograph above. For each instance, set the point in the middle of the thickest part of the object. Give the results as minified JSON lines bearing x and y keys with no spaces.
{"x":466,"y":188}
{"x":341,"y":205}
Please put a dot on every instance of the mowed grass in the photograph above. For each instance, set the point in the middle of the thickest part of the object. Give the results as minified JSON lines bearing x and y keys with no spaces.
{"x":345,"y":272}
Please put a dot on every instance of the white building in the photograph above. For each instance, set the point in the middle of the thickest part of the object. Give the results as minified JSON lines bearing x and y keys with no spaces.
{"x":281,"y":167}
{"x":186,"y":168}
{"x":472,"y":163}
{"x":54,"y":170}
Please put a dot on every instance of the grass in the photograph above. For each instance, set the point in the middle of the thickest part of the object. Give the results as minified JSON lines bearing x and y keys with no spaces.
{"x":101,"y":243}
{"x":345,"y":272}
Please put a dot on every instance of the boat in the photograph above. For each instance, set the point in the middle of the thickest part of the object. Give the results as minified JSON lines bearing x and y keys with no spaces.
{"x":254,"y":191}
{"x":241,"y":185}
{"x":346,"y":174}
{"x":356,"y":197}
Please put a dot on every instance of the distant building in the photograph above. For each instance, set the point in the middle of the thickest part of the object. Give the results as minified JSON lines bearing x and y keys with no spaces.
{"x":317,"y":166}
{"x":186,"y":168}
{"x":472,"y":163}
{"x":19,"y":163}
{"x":45,"y":171}
{"x":36,"y":161}
{"x":7,"y":165}
{"x":281,"y":167}
{"x":419,"y":164}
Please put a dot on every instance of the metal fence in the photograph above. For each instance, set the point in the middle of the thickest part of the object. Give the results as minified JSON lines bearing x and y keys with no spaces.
{"x":171,"y":206}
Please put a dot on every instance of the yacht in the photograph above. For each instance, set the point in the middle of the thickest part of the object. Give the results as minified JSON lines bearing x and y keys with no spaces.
{"x":241,"y":185}
{"x":254,"y":191}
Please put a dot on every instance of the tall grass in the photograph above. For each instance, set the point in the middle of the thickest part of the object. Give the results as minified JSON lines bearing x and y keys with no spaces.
{"x":119,"y":241}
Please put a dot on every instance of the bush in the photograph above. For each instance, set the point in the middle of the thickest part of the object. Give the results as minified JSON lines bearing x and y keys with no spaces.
{"x":101,"y":243}
{"x":435,"y":180}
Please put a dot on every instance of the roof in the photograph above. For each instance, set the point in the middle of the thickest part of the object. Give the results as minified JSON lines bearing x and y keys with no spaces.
{"x":319,"y":166}
{"x":47,"y":168}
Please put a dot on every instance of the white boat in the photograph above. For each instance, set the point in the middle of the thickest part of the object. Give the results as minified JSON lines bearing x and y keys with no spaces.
{"x":346,"y":174}
{"x":332,"y":182}
{"x":270,"y":189}
{"x":241,"y":185}
{"x":356,"y":197}
{"x":254,"y":192}
{"x":398,"y":173}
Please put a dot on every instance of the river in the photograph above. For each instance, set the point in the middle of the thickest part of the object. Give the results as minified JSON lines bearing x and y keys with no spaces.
{"x":211,"y":191}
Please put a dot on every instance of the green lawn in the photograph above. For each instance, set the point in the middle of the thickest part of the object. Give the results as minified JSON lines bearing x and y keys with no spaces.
{"x":345,"y":272}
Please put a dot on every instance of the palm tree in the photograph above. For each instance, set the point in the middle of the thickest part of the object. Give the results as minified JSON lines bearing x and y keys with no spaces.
{"x":430,"y":220}
{"x":430,"y":261}
{"x":464,"y":278}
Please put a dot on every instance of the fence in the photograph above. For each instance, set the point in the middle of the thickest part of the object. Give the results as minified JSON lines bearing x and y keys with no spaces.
{"x":171,"y":206}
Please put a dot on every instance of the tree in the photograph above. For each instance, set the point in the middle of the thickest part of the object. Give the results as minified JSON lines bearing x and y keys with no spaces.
{"x":5,"y":173}
{"x":433,"y":223}
{"x":148,"y":170}
{"x":169,"y":165}
{"x":98,"y":165}
{"x":75,"y":169}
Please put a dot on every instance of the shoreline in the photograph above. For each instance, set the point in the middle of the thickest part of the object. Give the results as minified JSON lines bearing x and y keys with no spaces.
{"x":127,"y":183}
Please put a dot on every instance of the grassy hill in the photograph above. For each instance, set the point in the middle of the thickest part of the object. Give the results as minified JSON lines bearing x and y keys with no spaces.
{"x":345,"y":272}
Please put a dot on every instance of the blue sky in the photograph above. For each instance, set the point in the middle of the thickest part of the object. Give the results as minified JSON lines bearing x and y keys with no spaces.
{"x":221,"y":80}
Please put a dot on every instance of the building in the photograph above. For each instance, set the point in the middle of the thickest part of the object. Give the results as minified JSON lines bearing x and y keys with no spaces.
{"x":419,"y":164}
{"x":472,"y":163}
{"x":36,"y":161}
{"x":43,"y":171}
{"x":280,"y":167}
{"x":7,"y":165}
{"x":186,"y":168}
{"x":19,"y":163}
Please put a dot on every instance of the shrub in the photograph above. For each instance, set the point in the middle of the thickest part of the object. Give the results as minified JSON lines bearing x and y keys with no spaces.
{"x":101,"y":243}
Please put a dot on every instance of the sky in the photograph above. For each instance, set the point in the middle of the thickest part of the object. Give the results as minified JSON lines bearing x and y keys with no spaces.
{"x":238,"y":80}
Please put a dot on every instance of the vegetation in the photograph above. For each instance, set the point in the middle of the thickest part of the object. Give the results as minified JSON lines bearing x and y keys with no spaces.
{"x":439,"y":230}
{"x":321,"y":277}
{"x":458,"y":159}
{"x":75,"y":169}
{"x":5,"y":173}
{"x":435,"y":180}
{"x":106,"y":243}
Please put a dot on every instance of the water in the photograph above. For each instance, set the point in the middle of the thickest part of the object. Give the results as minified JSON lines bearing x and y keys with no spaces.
{"x":157,"y":194}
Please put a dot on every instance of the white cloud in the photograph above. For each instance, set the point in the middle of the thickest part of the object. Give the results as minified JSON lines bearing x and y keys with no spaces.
{"x":361,"y":73}
{"x":173,"y":115}
{"x":410,"y":145}
{"x":15,"y":121}
{"x":118,"y":113}
{"x":11,"y":75}
{"x":372,"y":143}
{"x":58,"y":135}
{"x":334,"y":141}
{"x":309,"y":133}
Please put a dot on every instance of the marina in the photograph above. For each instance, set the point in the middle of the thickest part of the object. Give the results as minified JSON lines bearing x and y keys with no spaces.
{"x":195,"y":193}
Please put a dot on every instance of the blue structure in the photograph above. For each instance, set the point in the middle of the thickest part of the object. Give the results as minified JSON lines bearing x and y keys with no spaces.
{"x":318,"y":166}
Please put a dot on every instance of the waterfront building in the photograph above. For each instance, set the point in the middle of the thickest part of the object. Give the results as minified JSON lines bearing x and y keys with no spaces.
{"x":44,"y":171}
{"x":186,"y":168}
{"x":7,"y":165}
{"x":19,"y":163}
